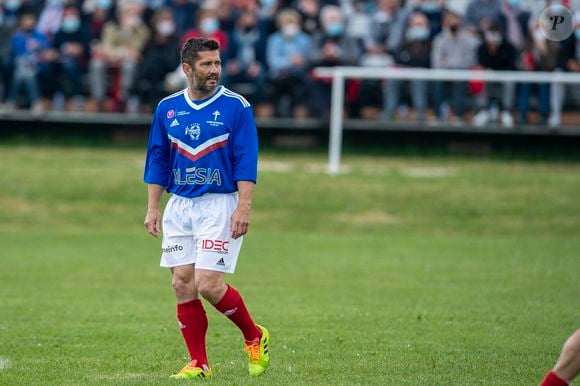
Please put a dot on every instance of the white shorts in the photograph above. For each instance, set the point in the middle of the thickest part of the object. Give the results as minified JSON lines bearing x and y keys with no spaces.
{"x":197,"y":231}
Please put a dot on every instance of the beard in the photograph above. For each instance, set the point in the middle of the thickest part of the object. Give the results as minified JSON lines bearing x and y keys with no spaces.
{"x":200,"y":83}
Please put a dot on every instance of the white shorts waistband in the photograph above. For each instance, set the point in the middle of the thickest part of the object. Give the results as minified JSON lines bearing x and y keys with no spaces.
{"x":204,"y":197}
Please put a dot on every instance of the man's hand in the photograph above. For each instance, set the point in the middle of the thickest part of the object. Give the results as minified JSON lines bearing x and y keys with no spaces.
{"x":240,"y":221}
{"x":153,"y":222}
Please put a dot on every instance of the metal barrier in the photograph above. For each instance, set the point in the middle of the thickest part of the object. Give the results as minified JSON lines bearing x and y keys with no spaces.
{"x":339,"y":74}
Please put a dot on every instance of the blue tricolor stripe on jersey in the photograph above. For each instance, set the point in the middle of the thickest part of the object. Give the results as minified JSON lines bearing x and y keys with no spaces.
{"x":205,"y":148}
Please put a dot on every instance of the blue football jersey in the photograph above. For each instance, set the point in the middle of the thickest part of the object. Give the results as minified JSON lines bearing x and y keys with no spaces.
{"x":198,"y":147}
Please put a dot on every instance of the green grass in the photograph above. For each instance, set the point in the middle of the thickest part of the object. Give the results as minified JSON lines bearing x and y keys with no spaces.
{"x":404,"y":271}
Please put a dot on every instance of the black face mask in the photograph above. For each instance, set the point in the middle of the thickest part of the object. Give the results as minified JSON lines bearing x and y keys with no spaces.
{"x":454,"y":28}
{"x":248,"y":28}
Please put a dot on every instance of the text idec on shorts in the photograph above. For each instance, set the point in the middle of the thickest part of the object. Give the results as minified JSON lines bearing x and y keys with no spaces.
{"x":220,"y":246}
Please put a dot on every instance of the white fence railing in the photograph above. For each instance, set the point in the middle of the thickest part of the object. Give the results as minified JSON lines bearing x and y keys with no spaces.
{"x":339,"y":74}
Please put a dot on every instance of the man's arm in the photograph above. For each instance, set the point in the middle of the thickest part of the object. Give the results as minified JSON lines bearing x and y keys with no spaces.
{"x":240,"y":220}
{"x":153,"y":217}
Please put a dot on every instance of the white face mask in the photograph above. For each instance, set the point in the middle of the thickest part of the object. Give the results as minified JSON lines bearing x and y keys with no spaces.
{"x":166,"y":27}
{"x":493,"y":37}
{"x":290,"y":30}
{"x":133,"y":21}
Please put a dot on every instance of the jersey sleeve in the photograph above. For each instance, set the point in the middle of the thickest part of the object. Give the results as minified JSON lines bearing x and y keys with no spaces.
{"x":245,"y":147}
{"x":157,"y":161}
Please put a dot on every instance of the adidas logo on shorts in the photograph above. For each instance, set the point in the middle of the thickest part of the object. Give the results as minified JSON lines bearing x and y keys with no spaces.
{"x":221,"y":262}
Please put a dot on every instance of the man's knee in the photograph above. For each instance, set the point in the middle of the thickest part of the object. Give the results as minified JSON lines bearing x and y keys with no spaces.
{"x":211,"y":287}
{"x":573,"y":343}
{"x":184,"y":286}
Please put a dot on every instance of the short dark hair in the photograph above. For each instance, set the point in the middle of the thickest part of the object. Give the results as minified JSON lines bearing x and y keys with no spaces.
{"x":195,"y":45}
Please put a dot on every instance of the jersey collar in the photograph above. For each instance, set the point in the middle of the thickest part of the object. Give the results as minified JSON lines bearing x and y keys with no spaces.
{"x":203,"y":103}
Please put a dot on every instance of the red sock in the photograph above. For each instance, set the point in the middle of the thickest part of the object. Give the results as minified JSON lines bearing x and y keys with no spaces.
{"x":193,"y":325}
{"x":553,"y":380}
{"x":232,"y":305}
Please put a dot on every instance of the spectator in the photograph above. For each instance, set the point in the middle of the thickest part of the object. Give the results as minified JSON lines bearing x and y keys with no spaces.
{"x":434,"y":10}
{"x":481,"y":14}
{"x":569,"y":60}
{"x":516,"y":20}
{"x":542,"y":56}
{"x":381,"y":34}
{"x":309,"y":10}
{"x":495,"y":53}
{"x":415,"y":52}
{"x":185,"y":12}
{"x":160,"y":57}
{"x":27,"y":47}
{"x":454,"y":49}
{"x":120,"y":50}
{"x":208,"y":26}
{"x":247,"y":57}
{"x":67,"y":60}
{"x":387,"y":27}
{"x":287,"y":56}
{"x":99,"y":13}
{"x":333,"y":47}
{"x":267,"y":11}
{"x":227,"y":12}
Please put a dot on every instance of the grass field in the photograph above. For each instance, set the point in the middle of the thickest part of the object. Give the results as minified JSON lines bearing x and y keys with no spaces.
{"x":403,"y":271}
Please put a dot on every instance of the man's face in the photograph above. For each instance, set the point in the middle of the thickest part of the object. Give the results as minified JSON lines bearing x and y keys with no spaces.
{"x":204,"y":76}
{"x":27,"y":23}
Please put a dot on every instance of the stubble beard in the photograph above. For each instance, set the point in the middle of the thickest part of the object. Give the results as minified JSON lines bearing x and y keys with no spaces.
{"x":200,"y":85}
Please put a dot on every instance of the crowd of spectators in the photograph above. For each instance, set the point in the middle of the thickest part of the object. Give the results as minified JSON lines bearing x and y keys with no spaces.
{"x":123,"y":55}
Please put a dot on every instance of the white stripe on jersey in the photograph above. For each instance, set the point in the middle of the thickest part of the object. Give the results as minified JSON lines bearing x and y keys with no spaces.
{"x":231,"y":94}
{"x":200,"y":148}
{"x":173,"y":95}
{"x":207,"y":102}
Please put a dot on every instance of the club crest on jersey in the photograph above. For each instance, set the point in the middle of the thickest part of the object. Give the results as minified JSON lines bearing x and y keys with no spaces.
{"x":193,"y":130}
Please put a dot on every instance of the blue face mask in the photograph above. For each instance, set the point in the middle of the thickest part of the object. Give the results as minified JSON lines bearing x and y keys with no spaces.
{"x":104,"y":4}
{"x":430,"y":7}
{"x":12,"y":5}
{"x":209,"y":26}
{"x":418,"y":33}
{"x":514,"y":3}
{"x":267,"y":3}
{"x":577,"y":33}
{"x":334,"y":29}
{"x":71,"y":24}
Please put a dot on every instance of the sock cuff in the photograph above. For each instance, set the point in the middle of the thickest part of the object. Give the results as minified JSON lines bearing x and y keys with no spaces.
{"x":553,"y":379}
{"x":229,"y":300}
{"x":193,"y":307}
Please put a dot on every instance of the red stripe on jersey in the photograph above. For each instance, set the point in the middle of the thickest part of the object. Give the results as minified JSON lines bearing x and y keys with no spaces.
{"x":204,"y":152}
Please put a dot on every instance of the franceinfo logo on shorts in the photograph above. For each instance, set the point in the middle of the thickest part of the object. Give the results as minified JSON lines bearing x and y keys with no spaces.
{"x":174,"y":248}
{"x":557,"y":22}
